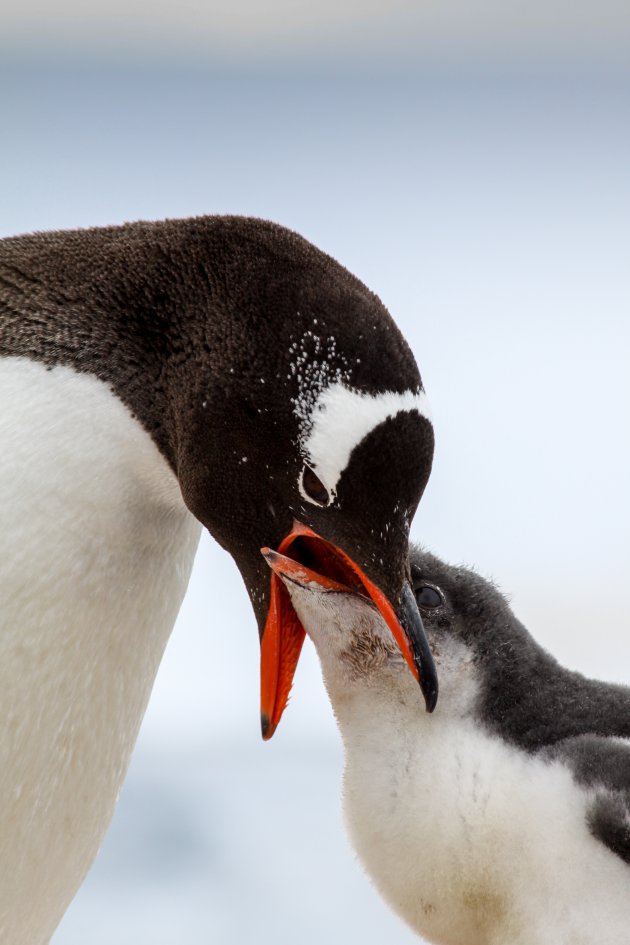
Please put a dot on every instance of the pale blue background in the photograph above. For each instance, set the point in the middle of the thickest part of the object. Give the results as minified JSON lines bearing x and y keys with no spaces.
{"x":479,"y":181}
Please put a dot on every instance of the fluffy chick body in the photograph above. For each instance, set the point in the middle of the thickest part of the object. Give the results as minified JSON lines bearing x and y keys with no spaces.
{"x":499,"y":818}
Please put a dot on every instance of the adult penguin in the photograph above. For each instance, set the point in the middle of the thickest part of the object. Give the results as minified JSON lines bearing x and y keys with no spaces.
{"x":154,"y":377}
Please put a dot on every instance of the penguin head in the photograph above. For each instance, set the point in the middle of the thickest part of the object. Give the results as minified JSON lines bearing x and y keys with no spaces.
{"x":311,"y":438}
{"x":459,"y":604}
{"x":459,"y":609}
{"x":474,"y":634}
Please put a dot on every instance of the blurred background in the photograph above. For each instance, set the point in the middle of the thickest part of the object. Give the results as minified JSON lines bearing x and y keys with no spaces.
{"x":470,"y":161}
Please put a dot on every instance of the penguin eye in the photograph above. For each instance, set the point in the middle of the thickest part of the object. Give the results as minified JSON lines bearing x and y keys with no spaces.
{"x":428,"y":597}
{"x":313,"y":488}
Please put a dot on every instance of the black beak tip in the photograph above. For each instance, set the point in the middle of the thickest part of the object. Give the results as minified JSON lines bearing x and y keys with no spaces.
{"x":430,"y":693}
{"x":265,"y":725}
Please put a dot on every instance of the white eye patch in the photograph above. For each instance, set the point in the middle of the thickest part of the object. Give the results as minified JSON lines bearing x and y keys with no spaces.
{"x":341,"y":418}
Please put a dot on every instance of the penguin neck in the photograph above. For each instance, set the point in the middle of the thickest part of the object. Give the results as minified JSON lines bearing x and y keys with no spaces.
{"x":375,"y":714}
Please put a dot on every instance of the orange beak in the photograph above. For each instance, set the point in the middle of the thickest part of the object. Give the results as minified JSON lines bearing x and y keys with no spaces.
{"x":316,"y":561}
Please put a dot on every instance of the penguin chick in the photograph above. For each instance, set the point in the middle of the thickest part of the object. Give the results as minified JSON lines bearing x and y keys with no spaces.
{"x":503,"y":817}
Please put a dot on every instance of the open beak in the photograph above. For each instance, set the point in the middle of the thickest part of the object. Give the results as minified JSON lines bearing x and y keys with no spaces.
{"x":313,"y":561}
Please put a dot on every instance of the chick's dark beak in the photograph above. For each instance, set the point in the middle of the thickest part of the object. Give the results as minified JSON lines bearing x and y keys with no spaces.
{"x":411,"y":622}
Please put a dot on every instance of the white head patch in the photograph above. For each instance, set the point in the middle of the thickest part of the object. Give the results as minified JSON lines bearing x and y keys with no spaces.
{"x":341,"y":418}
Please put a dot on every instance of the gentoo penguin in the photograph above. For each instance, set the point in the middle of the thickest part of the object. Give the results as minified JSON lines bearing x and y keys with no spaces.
{"x":156,"y":378}
{"x":503,"y":817}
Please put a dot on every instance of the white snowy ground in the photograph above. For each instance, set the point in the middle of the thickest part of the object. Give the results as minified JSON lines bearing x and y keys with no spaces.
{"x":492,"y":215}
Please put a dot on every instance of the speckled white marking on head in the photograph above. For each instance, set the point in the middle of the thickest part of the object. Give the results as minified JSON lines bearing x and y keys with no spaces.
{"x":341,"y":418}
{"x":316,"y":363}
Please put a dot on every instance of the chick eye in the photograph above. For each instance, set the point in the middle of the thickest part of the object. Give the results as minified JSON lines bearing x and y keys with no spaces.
{"x":428,"y":597}
{"x":313,"y":488}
